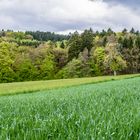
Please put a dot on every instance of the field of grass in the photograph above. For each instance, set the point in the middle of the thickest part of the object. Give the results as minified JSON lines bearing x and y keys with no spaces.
{"x":109,"y":110}
{"x":25,"y":87}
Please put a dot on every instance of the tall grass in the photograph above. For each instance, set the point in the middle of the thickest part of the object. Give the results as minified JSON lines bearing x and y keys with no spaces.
{"x":25,"y":87}
{"x":109,"y":110}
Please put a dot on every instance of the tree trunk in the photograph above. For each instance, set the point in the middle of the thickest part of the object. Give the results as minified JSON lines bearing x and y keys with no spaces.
{"x":115,"y":73}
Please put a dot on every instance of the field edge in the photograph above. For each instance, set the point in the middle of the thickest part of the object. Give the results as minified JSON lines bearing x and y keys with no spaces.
{"x":7,"y":89}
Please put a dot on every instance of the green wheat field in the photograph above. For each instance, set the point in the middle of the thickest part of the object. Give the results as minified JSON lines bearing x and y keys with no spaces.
{"x":104,"y":110}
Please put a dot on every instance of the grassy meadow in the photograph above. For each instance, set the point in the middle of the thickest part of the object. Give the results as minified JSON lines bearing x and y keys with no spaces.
{"x":107,"y":110}
{"x":25,"y":87}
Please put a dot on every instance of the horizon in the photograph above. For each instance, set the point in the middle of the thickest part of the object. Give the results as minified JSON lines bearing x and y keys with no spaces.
{"x":69,"y":32}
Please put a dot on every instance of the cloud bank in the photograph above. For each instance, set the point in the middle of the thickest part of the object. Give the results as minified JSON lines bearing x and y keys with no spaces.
{"x":64,"y":16}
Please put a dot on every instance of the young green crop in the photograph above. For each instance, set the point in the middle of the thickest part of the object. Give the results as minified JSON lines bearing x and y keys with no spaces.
{"x":32,"y":86}
{"x":109,"y":110}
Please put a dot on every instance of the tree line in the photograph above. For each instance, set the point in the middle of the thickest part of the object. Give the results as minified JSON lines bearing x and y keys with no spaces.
{"x":46,"y":36}
{"x":24,"y":57}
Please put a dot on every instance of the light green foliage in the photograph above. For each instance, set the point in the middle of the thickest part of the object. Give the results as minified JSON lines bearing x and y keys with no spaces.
{"x":47,"y":68}
{"x":98,"y":58}
{"x":100,"y":111}
{"x":29,"y":42}
{"x":99,"y":55}
{"x":117,"y":64}
{"x":6,"y":61}
{"x":96,"y":39}
{"x":23,"y":66}
{"x":15,"y":35}
{"x":113,"y":59}
{"x":24,"y":69}
{"x":43,"y":60}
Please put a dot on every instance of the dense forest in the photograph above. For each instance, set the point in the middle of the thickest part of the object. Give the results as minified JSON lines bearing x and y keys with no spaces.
{"x":38,"y":55}
{"x":46,"y":36}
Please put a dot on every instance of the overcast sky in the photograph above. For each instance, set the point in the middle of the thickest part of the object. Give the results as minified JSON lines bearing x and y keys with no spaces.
{"x":63,"y":16}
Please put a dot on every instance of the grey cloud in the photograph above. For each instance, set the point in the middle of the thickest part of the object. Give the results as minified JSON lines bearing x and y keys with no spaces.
{"x":56,"y":15}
